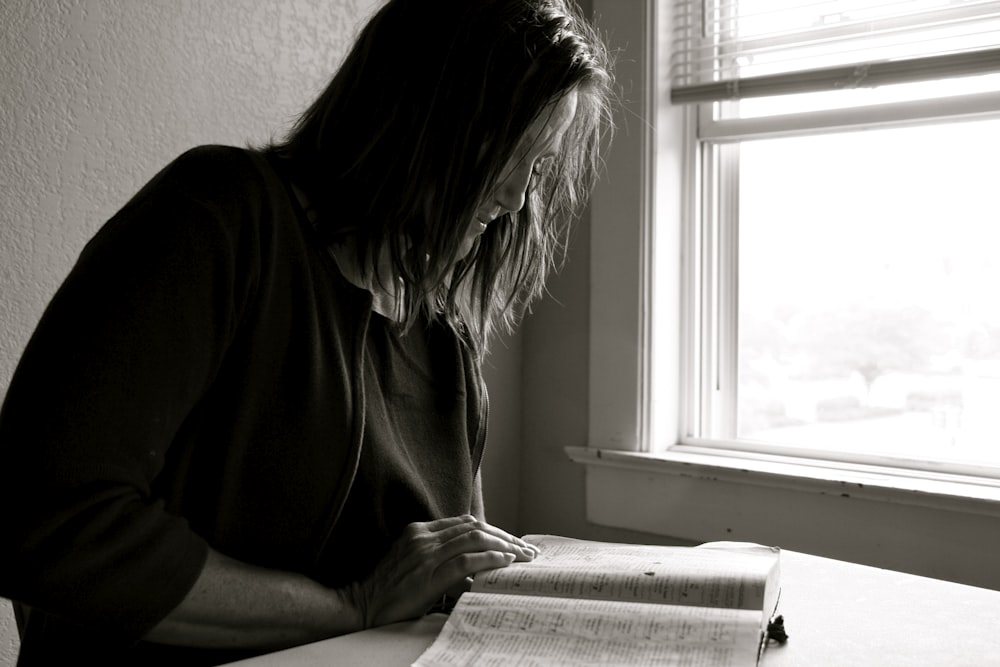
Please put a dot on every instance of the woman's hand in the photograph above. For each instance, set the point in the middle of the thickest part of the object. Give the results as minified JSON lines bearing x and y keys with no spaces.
{"x":430,"y":559}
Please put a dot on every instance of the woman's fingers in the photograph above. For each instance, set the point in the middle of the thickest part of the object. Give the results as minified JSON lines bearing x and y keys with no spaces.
{"x":460,"y":568}
{"x":472,"y":535}
{"x":433,"y":558}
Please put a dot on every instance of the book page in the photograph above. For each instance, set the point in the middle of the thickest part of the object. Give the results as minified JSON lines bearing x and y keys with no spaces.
{"x":497,"y":629}
{"x":733,"y":576}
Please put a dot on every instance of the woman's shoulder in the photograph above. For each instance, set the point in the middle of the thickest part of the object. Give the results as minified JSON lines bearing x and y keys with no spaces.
{"x":224,"y":181}
{"x":219,"y":155}
{"x":212,"y":167}
{"x":232,"y":191}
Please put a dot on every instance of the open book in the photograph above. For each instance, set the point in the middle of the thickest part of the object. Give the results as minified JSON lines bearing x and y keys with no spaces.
{"x":597,"y":603}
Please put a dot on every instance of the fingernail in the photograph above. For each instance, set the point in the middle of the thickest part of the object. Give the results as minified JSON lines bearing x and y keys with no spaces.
{"x":509,"y":557}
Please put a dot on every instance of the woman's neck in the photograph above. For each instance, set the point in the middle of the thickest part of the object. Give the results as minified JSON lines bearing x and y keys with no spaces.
{"x":386,"y":289}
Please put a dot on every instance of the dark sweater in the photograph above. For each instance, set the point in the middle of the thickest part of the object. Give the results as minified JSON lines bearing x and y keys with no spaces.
{"x":197,"y":380}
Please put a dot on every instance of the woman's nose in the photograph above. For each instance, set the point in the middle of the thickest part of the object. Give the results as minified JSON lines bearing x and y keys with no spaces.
{"x":511,"y":193}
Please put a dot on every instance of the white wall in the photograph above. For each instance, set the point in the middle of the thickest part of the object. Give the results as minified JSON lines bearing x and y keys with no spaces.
{"x":97,"y":95}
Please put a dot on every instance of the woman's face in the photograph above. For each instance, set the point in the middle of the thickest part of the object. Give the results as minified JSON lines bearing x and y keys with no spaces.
{"x":535,"y":151}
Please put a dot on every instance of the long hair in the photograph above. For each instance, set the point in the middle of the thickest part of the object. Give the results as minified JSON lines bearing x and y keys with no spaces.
{"x":412,"y":134}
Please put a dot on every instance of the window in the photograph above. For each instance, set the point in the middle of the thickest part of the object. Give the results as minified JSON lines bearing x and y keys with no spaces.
{"x":667,"y":459}
{"x":842,"y":229}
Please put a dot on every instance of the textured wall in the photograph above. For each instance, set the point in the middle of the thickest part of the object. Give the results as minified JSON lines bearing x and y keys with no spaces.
{"x":97,"y":95}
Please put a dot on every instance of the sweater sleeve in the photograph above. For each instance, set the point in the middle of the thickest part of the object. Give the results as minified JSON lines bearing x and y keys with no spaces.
{"x":117,"y":363}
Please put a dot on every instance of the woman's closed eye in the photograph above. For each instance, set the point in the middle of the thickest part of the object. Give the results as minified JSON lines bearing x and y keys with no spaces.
{"x":542,"y":165}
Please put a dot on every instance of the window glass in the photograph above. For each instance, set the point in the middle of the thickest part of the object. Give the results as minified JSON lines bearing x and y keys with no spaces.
{"x":869,"y":292}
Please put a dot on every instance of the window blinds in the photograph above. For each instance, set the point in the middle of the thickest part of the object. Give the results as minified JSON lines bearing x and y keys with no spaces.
{"x":731,"y":49}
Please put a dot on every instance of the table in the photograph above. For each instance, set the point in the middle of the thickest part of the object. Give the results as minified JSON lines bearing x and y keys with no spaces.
{"x":836,"y":614}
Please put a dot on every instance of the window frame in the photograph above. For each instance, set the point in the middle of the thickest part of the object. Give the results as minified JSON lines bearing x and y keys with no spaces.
{"x":885,"y":515}
{"x":713,"y":343}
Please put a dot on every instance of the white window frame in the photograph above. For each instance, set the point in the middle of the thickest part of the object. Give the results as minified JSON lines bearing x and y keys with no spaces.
{"x":936,"y":524}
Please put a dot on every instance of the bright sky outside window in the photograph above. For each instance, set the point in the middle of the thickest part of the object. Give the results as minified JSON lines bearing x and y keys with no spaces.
{"x":868,"y":318}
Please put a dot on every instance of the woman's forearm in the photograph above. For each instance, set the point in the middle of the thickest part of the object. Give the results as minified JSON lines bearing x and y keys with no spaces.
{"x":237,"y":605}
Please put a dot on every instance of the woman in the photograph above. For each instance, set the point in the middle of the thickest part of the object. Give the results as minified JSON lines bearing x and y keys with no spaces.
{"x":253,"y":415}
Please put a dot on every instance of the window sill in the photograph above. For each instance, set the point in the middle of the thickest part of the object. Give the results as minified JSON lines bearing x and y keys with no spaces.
{"x":935,"y":525}
{"x":960,"y":493}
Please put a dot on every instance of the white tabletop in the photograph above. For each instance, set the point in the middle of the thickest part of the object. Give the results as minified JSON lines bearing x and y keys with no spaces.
{"x":836,"y":614}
